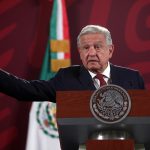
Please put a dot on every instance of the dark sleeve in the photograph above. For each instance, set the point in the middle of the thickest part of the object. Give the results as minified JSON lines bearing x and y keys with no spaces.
{"x":140,"y":81}
{"x":34,"y":90}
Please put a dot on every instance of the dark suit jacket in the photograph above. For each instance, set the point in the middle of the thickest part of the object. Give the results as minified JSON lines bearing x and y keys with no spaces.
{"x":71,"y":78}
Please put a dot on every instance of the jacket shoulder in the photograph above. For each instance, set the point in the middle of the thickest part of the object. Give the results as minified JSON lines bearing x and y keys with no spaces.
{"x":69,"y":71}
{"x":73,"y":67}
{"x":123,"y":69}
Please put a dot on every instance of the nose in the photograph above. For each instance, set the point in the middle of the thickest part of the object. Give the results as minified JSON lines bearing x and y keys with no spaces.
{"x":92,"y":51}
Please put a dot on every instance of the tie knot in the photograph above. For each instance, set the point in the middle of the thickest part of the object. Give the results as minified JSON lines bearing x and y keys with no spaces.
{"x":100,"y":77}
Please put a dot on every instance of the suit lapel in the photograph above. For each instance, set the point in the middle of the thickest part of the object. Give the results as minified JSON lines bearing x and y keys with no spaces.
{"x":87,"y":82}
{"x":115,"y":79}
{"x":86,"y":79}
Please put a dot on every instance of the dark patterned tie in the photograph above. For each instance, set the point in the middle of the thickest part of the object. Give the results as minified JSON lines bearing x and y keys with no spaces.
{"x":100,"y":77}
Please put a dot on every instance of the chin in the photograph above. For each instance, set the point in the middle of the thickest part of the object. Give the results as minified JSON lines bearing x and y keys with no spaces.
{"x":94,"y":69}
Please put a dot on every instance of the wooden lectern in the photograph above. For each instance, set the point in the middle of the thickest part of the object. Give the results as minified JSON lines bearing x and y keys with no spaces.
{"x":76,"y":123}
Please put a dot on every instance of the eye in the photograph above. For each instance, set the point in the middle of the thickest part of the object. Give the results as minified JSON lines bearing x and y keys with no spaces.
{"x":97,"y":46}
{"x":85,"y":47}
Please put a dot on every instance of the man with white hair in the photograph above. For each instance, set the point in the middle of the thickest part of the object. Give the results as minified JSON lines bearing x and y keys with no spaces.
{"x":96,"y":48}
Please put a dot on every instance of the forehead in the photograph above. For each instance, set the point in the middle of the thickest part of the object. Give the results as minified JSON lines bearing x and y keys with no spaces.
{"x":92,"y":37}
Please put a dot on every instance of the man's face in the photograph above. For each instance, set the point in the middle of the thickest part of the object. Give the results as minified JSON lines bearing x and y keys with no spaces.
{"x":94,"y":52}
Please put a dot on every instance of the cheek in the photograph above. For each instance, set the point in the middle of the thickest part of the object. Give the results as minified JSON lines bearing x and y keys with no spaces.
{"x":104,"y":57}
{"x":83,"y":56}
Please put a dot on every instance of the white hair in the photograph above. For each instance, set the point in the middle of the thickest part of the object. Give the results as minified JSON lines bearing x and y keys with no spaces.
{"x":95,"y":29}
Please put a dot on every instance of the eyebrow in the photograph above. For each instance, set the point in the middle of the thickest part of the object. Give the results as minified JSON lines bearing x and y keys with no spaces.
{"x":97,"y":42}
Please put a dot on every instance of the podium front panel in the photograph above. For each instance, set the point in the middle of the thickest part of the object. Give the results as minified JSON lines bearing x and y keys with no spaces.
{"x":76,"y":123}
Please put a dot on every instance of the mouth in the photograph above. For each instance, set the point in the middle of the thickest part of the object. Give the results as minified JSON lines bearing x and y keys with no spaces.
{"x":93,"y":61}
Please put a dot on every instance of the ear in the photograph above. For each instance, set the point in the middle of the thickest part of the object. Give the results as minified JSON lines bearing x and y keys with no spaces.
{"x":111,"y":50}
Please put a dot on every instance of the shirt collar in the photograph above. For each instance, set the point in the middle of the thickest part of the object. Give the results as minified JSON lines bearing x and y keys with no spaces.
{"x":106,"y":72}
